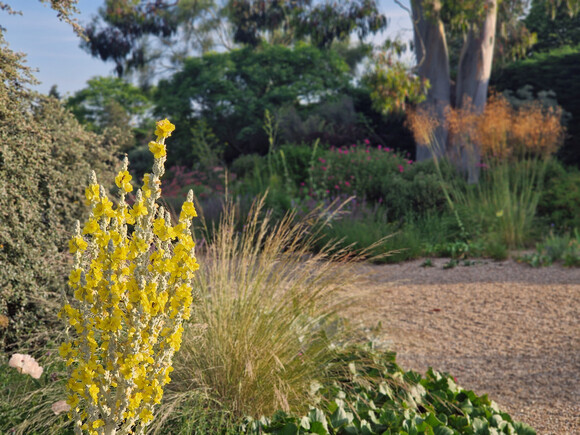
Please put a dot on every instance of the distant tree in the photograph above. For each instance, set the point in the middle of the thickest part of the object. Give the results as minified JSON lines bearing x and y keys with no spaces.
{"x":287,"y":21}
{"x":232,"y":90}
{"x":435,"y":23}
{"x":123,"y":29}
{"x":562,"y":29}
{"x":108,"y":102}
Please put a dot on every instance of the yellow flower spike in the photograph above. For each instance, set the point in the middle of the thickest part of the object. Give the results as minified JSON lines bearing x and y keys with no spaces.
{"x":187,"y":211}
{"x":164,"y":129}
{"x":132,"y":291}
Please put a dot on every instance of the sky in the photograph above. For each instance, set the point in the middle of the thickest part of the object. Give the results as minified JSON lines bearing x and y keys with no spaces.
{"x":52,"y":48}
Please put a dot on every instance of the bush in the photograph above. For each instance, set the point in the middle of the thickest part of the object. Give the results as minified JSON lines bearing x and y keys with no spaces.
{"x":559,"y":205}
{"x":44,"y":154}
{"x":378,"y":175}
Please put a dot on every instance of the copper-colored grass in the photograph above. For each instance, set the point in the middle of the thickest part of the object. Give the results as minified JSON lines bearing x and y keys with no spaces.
{"x":422,"y":124}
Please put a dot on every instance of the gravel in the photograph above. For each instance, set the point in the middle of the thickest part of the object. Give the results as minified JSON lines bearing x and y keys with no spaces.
{"x":501,"y":328}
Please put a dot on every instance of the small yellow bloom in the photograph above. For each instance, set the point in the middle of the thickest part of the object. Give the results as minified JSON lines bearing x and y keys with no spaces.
{"x":158,"y":149}
{"x":164,"y":128}
{"x":94,"y":392}
{"x":92,"y":193}
{"x":139,"y":209}
{"x":187,"y":211}
{"x":65,"y":349}
{"x":145,"y":415}
{"x":77,"y":243}
{"x":499,"y":213}
{"x":123,"y":181}
{"x":91,"y":227}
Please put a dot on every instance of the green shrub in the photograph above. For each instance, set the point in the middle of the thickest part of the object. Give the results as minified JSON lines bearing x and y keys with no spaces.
{"x":44,"y":152}
{"x":559,"y":205}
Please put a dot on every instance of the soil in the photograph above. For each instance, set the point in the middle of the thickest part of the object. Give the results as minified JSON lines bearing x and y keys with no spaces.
{"x":501,"y":328}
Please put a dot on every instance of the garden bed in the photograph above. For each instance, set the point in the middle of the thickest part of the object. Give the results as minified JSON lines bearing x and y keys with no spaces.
{"x":500,"y":328}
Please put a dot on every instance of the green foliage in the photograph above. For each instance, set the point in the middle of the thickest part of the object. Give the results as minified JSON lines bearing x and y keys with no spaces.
{"x":108,"y":102}
{"x":375,"y":396}
{"x":379,"y":175}
{"x":233,"y":90}
{"x":44,"y":154}
{"x":554,"y":248}
{"x":559,"y":205}
{"x":289,"y":21}
{"x":369,"y":230}
{"x":501,"y":208}
{"x":555,"y":31}
{"x":550,"y":71}
{"x":392,"y":84}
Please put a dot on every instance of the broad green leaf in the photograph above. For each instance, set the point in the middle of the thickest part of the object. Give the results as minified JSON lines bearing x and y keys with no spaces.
{"x":524,"y":429}
{"x":340,"y":417}
{"x":442,"y":430}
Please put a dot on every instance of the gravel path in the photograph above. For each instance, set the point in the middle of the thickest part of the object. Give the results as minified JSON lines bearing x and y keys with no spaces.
{"x":504,"y":329}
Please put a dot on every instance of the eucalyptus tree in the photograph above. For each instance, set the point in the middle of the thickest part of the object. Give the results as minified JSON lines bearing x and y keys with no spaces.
{"x":476,"y":21}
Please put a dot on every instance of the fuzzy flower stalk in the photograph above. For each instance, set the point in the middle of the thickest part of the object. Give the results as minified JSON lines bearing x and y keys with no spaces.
{"x":132,"y":288}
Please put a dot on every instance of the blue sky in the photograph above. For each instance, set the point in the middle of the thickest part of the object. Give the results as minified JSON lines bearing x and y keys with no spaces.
{"x":53,"y":49}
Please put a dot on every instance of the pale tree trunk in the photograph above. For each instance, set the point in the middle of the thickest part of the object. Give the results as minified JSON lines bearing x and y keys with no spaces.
{"x":433,"y":64}
{"x":473,"y":79}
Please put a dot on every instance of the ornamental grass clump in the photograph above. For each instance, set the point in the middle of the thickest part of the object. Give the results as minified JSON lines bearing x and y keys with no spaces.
{"x":132,"y":288}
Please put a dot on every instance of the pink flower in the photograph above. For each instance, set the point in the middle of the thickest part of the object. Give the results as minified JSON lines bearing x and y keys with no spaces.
{"x":367,"y":141}
{"x":60,"y":406}
{"x":26,"y":364}
{"x":387,"y":149}
{"x":336,"y":186}
{"x":321,"y":160}
{"x":367,"y":151}
{"x":409,"y":162}
{"x":302,"y":184}
{"x":347,"y":184}
{"x":401,"y":169}
{"x":323,"y":168}
{"x":380,"y":147}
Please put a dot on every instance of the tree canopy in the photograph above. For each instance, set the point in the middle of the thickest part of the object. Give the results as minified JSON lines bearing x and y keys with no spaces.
{"x":123,"y":29}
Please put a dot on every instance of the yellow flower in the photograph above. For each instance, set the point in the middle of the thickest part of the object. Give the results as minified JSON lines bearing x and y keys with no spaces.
{"x":123,"y":181}
{"x":146,"y":415}
{"x":499,"y":213}
{"x":77,"y":243}
{"x":65,"y":349}
{"x":98,"y":423}
{"x":164,"y":128}
{"x":92,"y":193}
{"x":74,"y":277}
{"x":94,"y":392}
{"x":158,"y":149}
{"x":138,"y":209}
{"x":187,"y":211}
{"x":91,"y":227}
